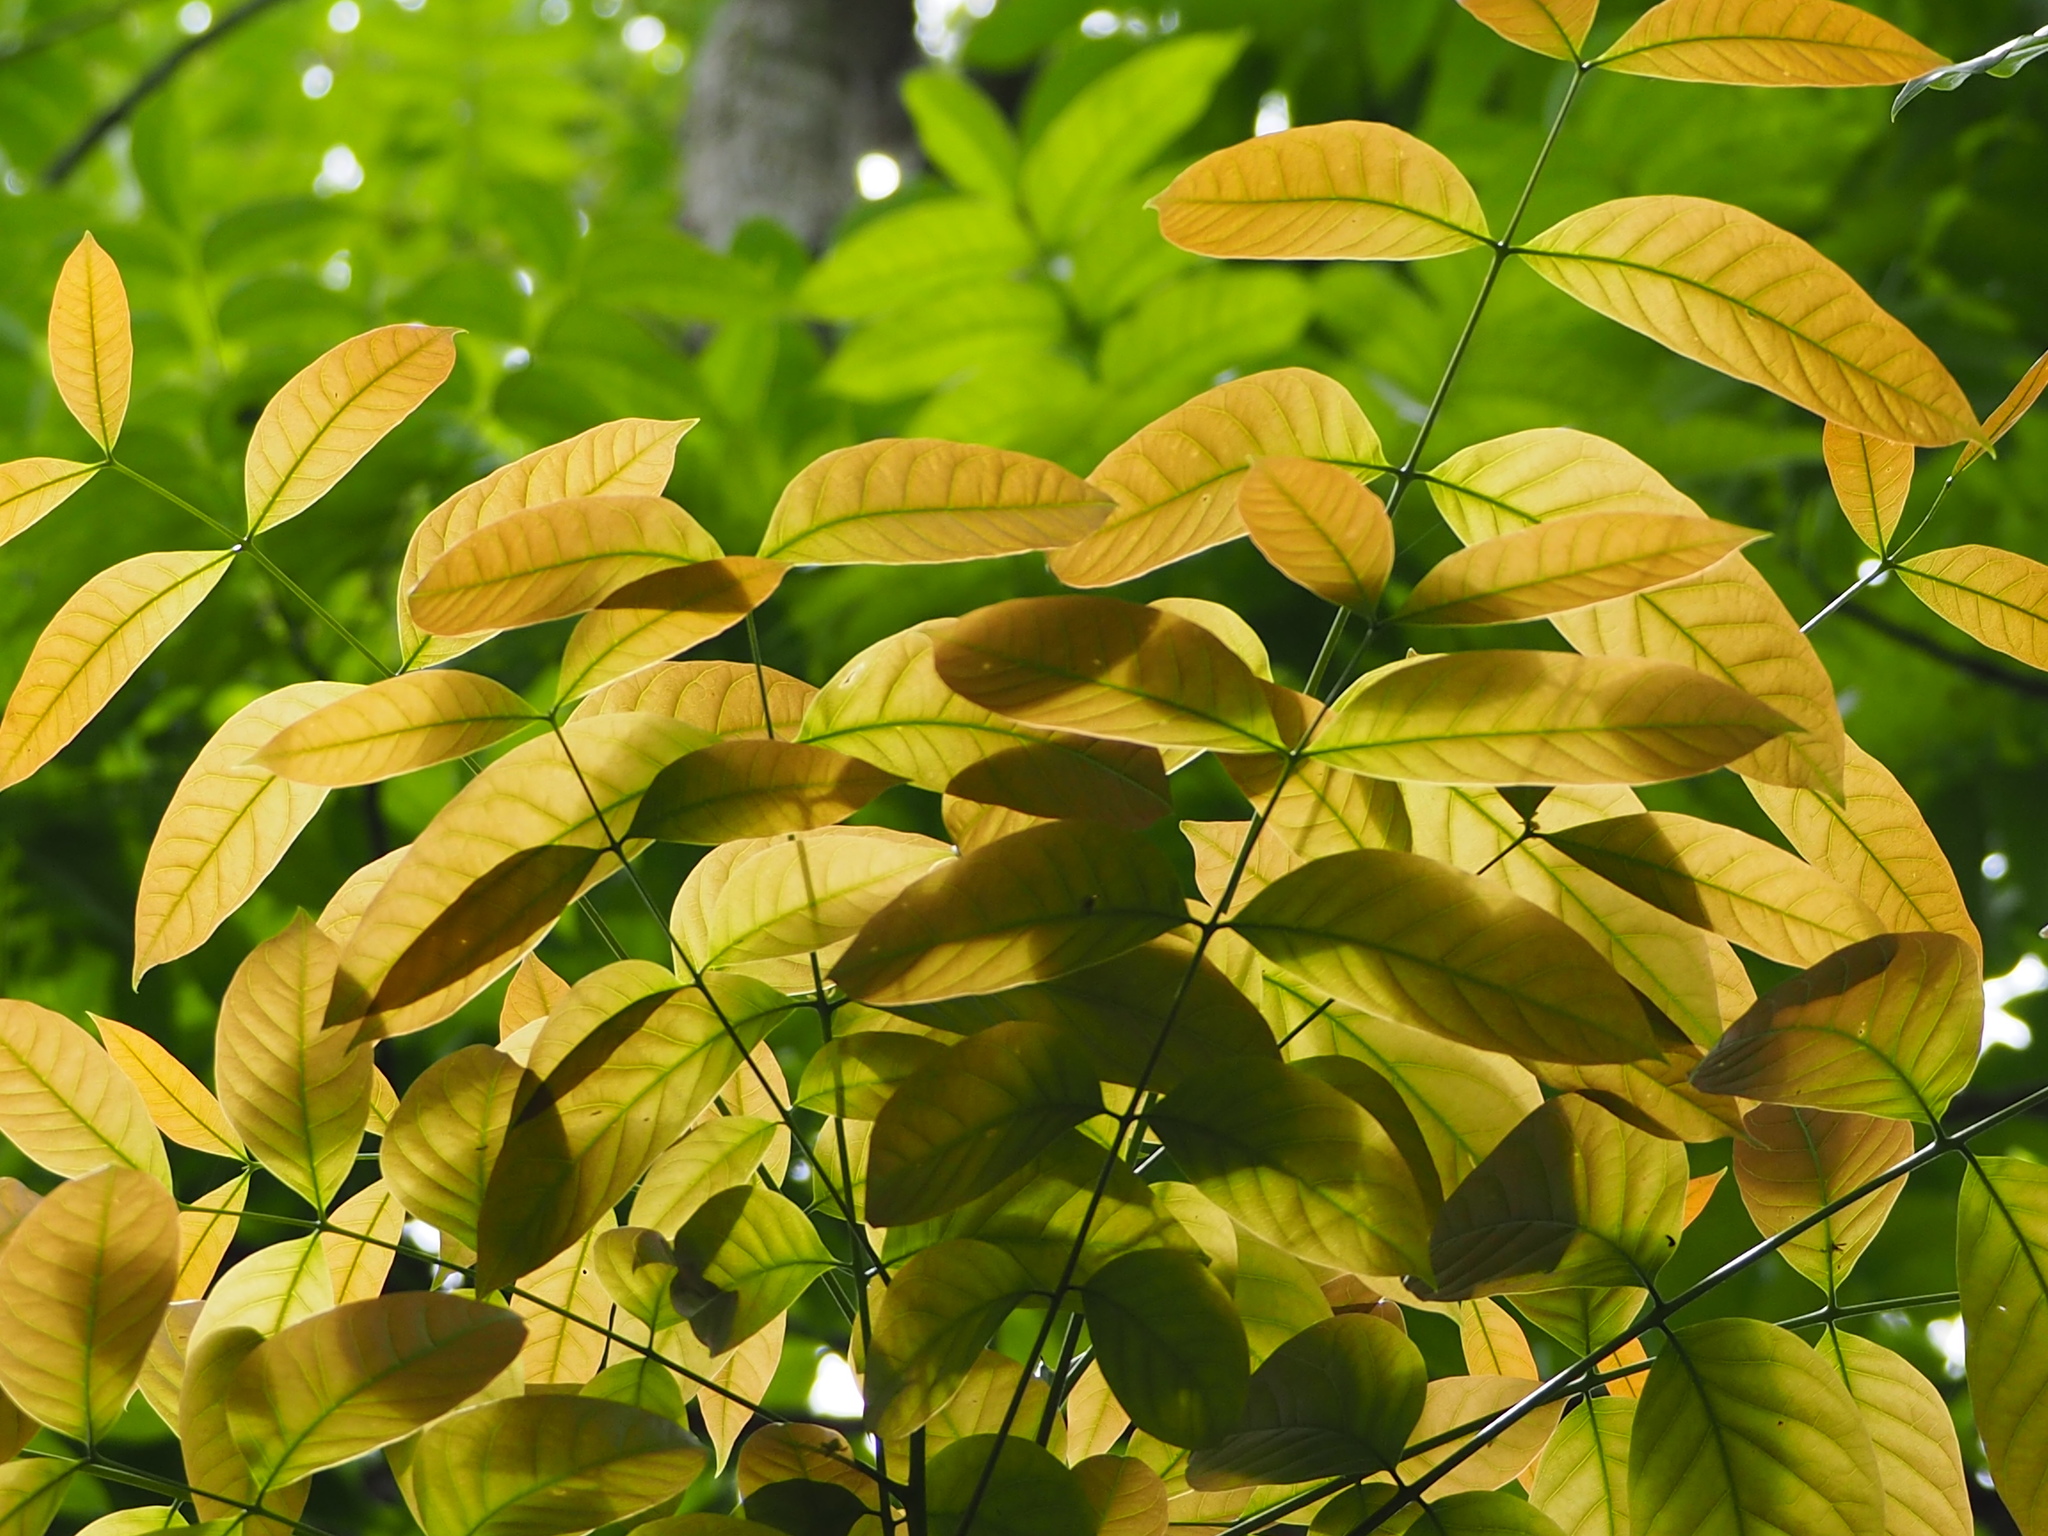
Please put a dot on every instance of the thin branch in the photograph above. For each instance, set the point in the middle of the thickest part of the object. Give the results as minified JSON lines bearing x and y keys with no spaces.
{"x":62,"y":31}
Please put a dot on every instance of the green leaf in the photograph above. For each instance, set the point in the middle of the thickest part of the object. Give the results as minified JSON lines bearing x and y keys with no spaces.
{"x":971,"y":326}
{"x":2002,"y":1271}
{"x":31,"y":1491}
{"x":961,"y":1125}
{"x":742,"y":1259}
{"x":962,"y":132}
{"x":1792,"y":1162}
{"x":910,"y":255}
{"x":1582,"y":1481}
{"x":1483,"y":1512}
{"x":720,"y":1153}
{"x":1029,"y":1493}
{"x":935,"y":1317}
{"x":851,"y":1077}
{"x":1170,"y":1344}
{"x":1912,"y":1433}
{"x":440,"y":1147}
{"x":1572,"y":1197}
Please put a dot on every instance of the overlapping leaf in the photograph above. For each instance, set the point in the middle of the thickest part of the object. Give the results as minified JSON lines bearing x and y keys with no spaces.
{"x":2002,"y":1272}
{"x":746,"y":788}
{"x":64,"y":1104}
{"x":411,"y":721}
{"x":179,"y":1104}
{"x":649,"y":620}
{"x":742,"y":1259}
{"x":1911,"y":1432}
{"x":1319,"y":527}
{"x":443,"y":1142}
{"x":1791,"y":1162}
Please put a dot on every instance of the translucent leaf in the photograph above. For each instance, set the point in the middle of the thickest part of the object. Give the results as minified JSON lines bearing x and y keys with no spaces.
{"x":1319,"y":527}
{"x":31,"y":1492}
{"x":724,"y":699}
{"x":1792,"y":1162}
{"x":228,"y":823}
{"x":179,"y":1104}
{"x":1170,"y":1344}
{"x":1768,"y":42}
{"x":1654,"y":1096}
{"x":1357,"y":191}
{"x":1723,"y":287}
{"x":1097,"y":780}
{"x":104,"y":631}
{"x":267,"y":1292}
{"x":403,"y":723}
{"x":645,"y":622}
{"x":962,"y":132}
{"x":204,"y":1234}
{"x":742,"y":1260}
{"x":1871,"y":479}
{"x":745,"y":788}
{"x":92,"y":356}
{"x":362,"y":1242}
{"x":530,"y":996}
{"x":722,"y":1153}
{"x":567,"y":1313}
{"x":1455,"y":1401}
{"x":1128,"y":1497}
{"x":1554,"y":27}
{"x":2024,"y":393}
{"x":1582,"y":1481}
{"x":1509,"y":483}
{"x":212,"y":1461}
{"x":1029,"y":1493}
{"x":64,"y":1104}
{"x":1918,"y":1458}
{"x":2001,"y":1240}
{"x":319,"y":426}
{"x":1493,"y":1342}
{"x":31,"y":489}
{"x":445,"y":1138}
{"x":1991,"y":595}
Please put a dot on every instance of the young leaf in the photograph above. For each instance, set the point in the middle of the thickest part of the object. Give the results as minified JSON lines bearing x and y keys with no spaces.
{"x":2001,"y":1255}
{"x":962,"y":132}
{"x":1413,"y":939}
{"x":298,"y":1095}
{"x":1912,"y":1433}
{"x":2010,"y":409}
{"x":1541,"y":717}
{"x":179,"y":1104}
{"x":1338,"y":1400}
{"x":1319,"y":527}
{"x":31,"y":489}
{"x":543,"y":1466}
{"x":1888,"y":1026}
{"x":1791,"y":1162}
{"x":363,"y":1375}
{"x":1714,"y":1430}
{"x":1176,"y":482}
{"x":1352,"y":191}
{"x":553,"y":560}
{"x":1029,"y":1493}
{"x":567,"y":1314}
{"x":403,"y":723}
{"x":1554,"y":27}
{"x":745,"y":789}
{"x":31,"y":1492}
{"x":1991,"y":595}
{"x":443,"y":1142}
{"x":228,"y":823}
{"x":1034,"y":906}
{"x":63,"y":1103}
{"x":340,"y":406}
{"x":92,"y":356}
{"x":1723,"y":287}
{"x":84,"y":1281}
{"x":1107,"y":668}
{"x":532,"y":994}
{"x":1078,"y":776}
{"x":362,"y":1242}
{"x":720,"y":1153}
{"x":1128,"y":1497}
{"x":204,"y":1234}
{"x":649,"y":620}
{"x":213,"y":1463}
{"x":920,"y":500}
{"x":1654,"y":1096}
{"x":1768,"y":42}
{"x":104,"y":631}
{"x":1872,"y":478}
{"x":1457,"y":1401}
{"x":1512,"y":482}
{"x":1569,"y":562}
{"x":1582,"y":1481}
{"x":742,"y":1259}
{"x":963,"y":1124}
{"x":1170,"y":1344}
{"x":1572,"y":1197}
{"x":936,"y":1316}
{"x":724,"y":699}
{"x":1493,"y":1342}
{"x":267,"y":1292}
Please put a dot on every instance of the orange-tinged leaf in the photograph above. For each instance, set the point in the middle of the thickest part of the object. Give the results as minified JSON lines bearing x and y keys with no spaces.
{"x":1990,"y":594}
{"x":406,"y":722}
{"x":553,"y":560}
{"x":1768,"y":42}
{"x":205,"y":1231}
{"x":30,"y":489}
{"x":63,"y":1103}
{"x":1699,"y":1191}
{"x":92,"y":356}
{"x":722,"y":698}
{"x":334,"y":411}
{"x":104,"y":631}
{"x":921,"y":500}
{"x":1872,"y":477}
{"x":1791,"y":1162}
{"x":1723,"y":287}
{"x":647,"y":621}
{"x":1569,"y":562}
{"x":1319,"y":528}
{"x":1493,"y":1342}
{"x":742,"y":788}
{"x":1554,"y":27}
{"x":2010,"y":410}
{"x":181,"y":1106}
{"x":1352,"y":191}
{"x":531,"y":996}
{"x":228,"y":823}
{"x":1175,"y":483}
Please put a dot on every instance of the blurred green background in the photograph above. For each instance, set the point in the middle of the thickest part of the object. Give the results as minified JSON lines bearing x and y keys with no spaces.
{"x":537,"y":172}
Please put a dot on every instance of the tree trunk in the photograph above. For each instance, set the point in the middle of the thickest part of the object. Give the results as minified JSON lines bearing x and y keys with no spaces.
{"x":786,"y":96}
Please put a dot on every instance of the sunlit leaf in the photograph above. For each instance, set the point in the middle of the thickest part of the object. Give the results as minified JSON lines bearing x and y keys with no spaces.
{"x":1170,"y":1344}
{"x":180,"y":1106}
{"x":1176,"y":482}
{"x":1493,"y":1342}
{"x":1554,"y":27}
{"x":92,"y":356}
{"x":779,"y":1453}
{"x":138,"y":1520}
{"x":646,"y":621}
{"x":2014,"y":405}
{"x":1079,"y":776}
{"x":1871,"y":479}
{"x":268,"y":1291}
{"x":1513,"y":482}
{"x":2001,"y":1256}
{"x":938,"y":1313}
{"x":1768,"y":42}
{"x":1792,"y":1162}
{"x":1456,"y":1401}
{"x":334,"y":411}
{"x":1128,"y":1497}
{"x":1991,"y":595}
{"x":567,"y":1313}
{"x":1721,"y":286}
{"x":1319,"y":528}
{"x":446,"y":1136}
{"x":1582,"y":1481}
{"x":1029,"y":1493}
{"x":31,"y":489}
{"x":31,"y":1492}
{"x":742,"y":1259}
{"x":725,"y":699}
{"x":722,"y":1153}
{"x":1911,"y":1431}
{"x":84,"y":1281}
{"x":64,"y":1104}
{"x":205,"y":1230}
{"x":213,"y":1463}
{"x":746,"y":789}
{"x":1655,"y":1096}
{"x":393,"y":727}
{"x":362,"y":1242}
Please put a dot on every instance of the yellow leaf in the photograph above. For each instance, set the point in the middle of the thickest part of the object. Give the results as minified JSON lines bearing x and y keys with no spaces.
{"x":1554,"y":27}
{"x":567,"y":1313}
{"x":647,"y":621}
{"x":1540,"y":717}
{"x":1654,"y":1096}
{"x":214,"y":1467}
{"x":204,"y":1235}
{"x":1493,"y":1341}
{"x":1991,"y":595}
{"x":383,"y":1101}
{"x":2001,"y":1235}
{"x":267,"y":1292}
{"x":1455,"y":1401}
{"x":1723,"y":287}
{"x":1102,"y":667}
{"x":104,"y":631}
{"x":362,"y":1242}
{"x":534,"y":991}
{"x":84,"y":1281}
{"x":181,"y":1106}
{"x":1875,"y":843}
{"x":2010,"y":410}
{"x":393,"y":727}
{"x":1918,"y":1458}
{"x":920,"y":500}
{"x":1508,"y":483}
{"x":1699,"y":1193}
{"x":1582,"y":1481}
{"x":1567,"y":563}
{"x":1352,"y":191}
{"x":1175,"y":483}
{"x":334,"y":411}
{"x":553,"y":560}
{"x":446,"y":1136}
{"x":1319,"y":528}
{"x":92,"y":356}
{"x":345,"y":908}
{"x":1320,"y":809}
{"x":64,"y":1105}
{"x":1768,"y":42}
{"x":1872,"y":478}
{"x":741,"y":788}
{"x":300,"y":1096}
{"x":721,"y":698}
{"x":31,"y":489}
{"x":1108,"y":781}
{"x":495,"y":867}
{"x":1792,"y":1162}
{"x":720,"y":1153}
{"x":31,"y":1492}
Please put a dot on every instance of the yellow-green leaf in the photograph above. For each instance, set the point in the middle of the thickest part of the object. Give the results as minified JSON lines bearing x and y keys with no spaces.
{"x":747,"y":788}
{"x":1791,"y":1162}
{"x":721,"y":1153}
{"x":1078,"y":776}
{"x":205,"y":1230}
{"x":406,"y":722}
{"x":567,"y":1314}
{"x":933,"y":1321}
{"x":1871,"y":479}
{"x":900,"y":501}
{"x":1582,"y":1481}
{"x":1768,"y":42}
{"x":1353,"y":191}
{"x":361,"y":1242}
{"x":104,"y":631}
{"x":228,"y":823}
{"x":446,"y":1136}
{"x":1556,"y":28}
{"x":64,"y":1104}
{"x":268,"y":1291}
{"x":92,"y":355}
{"x":1458,"y":1401}
{"x":181,"y":1106}
{"x":2010,"y":410}
{"x":31,"y":489}
{"x":742,"y":1260}
{"x":1721,"y":286}
{"x":84,"y":1281}
{"x":214,"y":1467}
{"x":334,"y":411}
{"x":725,"y":699}
{"x":1912,"y":1432}
{"x":1319,"y":528}
{"x":31,"y":1492}
{"x":655,"y":617}
{"x":1175,"y":483}
{"x":2002,"y":1272}
{"x":1170,"y":1344}
{"x":1990,"y":594}
{"x":1509,"y":483}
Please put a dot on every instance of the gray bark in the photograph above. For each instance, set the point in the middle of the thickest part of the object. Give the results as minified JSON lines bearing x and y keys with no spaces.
{"x":786,"y":95}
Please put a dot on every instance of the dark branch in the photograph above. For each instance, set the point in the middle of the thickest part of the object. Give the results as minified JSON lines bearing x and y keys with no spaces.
{"x":62,"y":31}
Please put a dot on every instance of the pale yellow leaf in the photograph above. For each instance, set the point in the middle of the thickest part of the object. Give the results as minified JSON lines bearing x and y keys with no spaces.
{"x":402,"y":723}
{"x":645,"y":622}
{"x":725,"y":699}
{"x":92,"y":356}
{"x":2010,"y":410}
{"x":1918,"y":1457}
{"x":63,"y":1103}
{"x":214,"y":1465}
{"x":346,"y":906}
{"x":1511,"y":482}
{"x":1768,"y":42}
{"x":532,"y":994}
{"x":31,"y":489}
{"x":1458,"y":1400}
{"x":567,"y":1314}
{"x":362,"y":1242}
{"x":1990,"y":594}
{"x":205,"y":1230}
{"x":1319,"y":528}
{"x":268,"y":1291}
{"x":742,"y":788}
{"x":446,"y":1136}
{"x":181,"y":1106}
{"x":1493,"y":1341}
{"x":1554,"y":27}
{"x":1871,"y":478}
